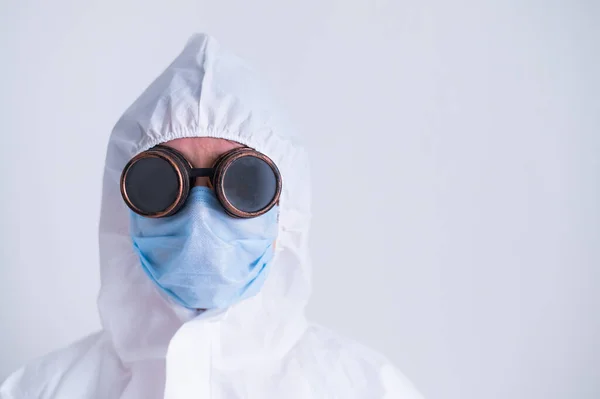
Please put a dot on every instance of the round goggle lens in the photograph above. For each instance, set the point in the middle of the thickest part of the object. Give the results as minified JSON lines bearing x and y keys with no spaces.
{"x":152,"y":184}
{"x":249,"y":184}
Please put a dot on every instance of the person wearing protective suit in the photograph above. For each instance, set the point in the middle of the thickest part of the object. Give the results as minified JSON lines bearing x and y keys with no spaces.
{"x":204,"y":262}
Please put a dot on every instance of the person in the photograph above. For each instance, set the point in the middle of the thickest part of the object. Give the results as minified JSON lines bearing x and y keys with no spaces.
{"x":205,"y":271}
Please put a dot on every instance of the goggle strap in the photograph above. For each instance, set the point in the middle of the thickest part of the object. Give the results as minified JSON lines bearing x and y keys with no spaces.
{"x":202,"y":172}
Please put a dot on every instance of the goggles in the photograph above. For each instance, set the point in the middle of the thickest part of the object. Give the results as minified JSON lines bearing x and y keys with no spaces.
{"x":156,"y":183}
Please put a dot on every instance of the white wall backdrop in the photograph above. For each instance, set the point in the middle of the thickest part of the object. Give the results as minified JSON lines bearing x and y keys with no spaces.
{"x":455,"y":148}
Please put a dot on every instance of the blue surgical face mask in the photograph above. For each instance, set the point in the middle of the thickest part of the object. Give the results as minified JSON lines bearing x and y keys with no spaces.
{"x":201,"y":257}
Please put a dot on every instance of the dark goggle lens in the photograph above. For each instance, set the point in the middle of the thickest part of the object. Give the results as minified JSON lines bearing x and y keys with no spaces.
{"x":249,"y":184}
{"x":152,"y":185}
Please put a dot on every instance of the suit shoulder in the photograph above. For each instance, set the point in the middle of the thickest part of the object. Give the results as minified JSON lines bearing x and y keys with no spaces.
{"x":44,"y":377}
{"x":340,"y":347}
{"x":354,"y":365}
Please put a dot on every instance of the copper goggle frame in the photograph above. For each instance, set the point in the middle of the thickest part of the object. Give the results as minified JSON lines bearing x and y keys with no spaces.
{"x":186,"y":174}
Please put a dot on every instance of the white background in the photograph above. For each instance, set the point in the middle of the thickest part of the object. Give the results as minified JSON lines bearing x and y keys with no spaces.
{"x":455,"y":149}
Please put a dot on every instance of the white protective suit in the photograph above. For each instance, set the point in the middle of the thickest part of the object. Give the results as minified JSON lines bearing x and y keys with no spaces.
{"x":262,"y":347}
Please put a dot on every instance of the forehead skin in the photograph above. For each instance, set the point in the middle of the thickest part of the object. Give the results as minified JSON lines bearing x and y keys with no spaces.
{"x":202,"y":152}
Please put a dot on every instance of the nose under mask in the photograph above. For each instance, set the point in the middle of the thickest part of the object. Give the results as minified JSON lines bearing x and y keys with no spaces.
{"x":201,"y":257}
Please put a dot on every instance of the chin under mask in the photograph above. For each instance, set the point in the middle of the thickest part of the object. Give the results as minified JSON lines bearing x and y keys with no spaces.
{"x":201,"y":257}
